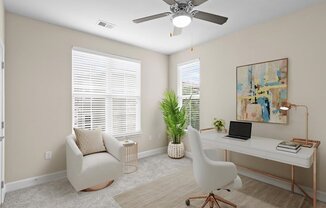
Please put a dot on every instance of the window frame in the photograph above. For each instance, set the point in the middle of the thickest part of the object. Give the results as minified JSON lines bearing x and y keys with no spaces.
{"x":179,"y":84}
{"x":109,"y":110}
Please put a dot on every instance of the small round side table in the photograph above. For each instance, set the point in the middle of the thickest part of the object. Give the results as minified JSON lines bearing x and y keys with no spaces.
{"x":130,"y":156}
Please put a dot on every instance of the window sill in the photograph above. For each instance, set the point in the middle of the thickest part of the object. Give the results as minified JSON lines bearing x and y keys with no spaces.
{"x":127,"y":136}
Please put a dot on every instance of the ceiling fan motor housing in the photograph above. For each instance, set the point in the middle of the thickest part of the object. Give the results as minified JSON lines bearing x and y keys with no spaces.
{"x":186,"y":7}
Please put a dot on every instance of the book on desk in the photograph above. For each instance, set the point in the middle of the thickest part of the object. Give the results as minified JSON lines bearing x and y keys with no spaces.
{"x":287,"y":146}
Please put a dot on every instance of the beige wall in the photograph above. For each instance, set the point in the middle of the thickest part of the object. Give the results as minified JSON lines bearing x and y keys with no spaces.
{"x":38,"y":85}
{"x":38,"y":93}
{"x":2,"y":21}
{"x":299,"y":37}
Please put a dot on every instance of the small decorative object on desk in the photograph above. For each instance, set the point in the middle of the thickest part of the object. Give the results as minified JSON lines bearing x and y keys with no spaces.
{"x":130,"y":156}
{"x":288,"y":146}
{"x":219,"y":125}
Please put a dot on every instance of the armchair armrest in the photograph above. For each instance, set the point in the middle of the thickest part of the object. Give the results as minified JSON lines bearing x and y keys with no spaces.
{"x":74,"y":156}
{"x":113,"y":146}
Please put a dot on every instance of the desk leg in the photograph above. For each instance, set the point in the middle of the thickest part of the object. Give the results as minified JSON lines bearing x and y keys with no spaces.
{"x":225,"y":155}
{"x":292,"y":178}
{"x":314,"y":197}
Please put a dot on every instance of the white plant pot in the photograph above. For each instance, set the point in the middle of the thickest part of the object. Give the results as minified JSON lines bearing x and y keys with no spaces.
{"x":176,"y":151}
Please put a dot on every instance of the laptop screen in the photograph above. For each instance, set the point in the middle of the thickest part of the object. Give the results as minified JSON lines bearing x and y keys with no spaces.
{"x":242,"y":129}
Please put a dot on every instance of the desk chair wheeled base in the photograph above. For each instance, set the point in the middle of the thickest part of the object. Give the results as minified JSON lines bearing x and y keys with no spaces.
{"x":212,"y":200}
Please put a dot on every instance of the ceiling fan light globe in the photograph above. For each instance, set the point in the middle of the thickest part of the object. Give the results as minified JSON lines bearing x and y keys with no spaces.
{"x":182,"y":20}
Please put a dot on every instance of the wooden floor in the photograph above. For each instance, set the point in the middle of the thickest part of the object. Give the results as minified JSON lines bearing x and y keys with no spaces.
{"x":171,"y":192}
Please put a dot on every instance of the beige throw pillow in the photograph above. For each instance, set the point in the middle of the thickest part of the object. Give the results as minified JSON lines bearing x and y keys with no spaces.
{"x":89,"y":141}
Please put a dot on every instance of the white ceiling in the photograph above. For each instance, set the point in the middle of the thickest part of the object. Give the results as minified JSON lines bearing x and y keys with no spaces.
{"x":83,"y":15}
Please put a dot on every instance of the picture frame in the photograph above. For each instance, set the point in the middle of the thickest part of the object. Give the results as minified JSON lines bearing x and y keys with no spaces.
{"x":261,"y":89}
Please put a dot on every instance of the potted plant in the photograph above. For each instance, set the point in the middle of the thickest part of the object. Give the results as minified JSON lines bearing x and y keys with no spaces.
{"x":219,"y":124}
{"x":175,"y":118}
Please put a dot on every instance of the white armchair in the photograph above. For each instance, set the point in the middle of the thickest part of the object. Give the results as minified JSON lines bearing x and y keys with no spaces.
{"x":89,"y":171}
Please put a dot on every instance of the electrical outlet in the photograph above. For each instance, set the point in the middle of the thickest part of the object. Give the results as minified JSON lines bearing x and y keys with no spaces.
{"x":48,"y":155}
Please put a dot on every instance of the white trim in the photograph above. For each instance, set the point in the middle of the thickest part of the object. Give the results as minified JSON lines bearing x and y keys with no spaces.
{"x":179,"y":73}
{"x":29,"y":182}
{"x":152,"y":152}
{"x":81,"y":49}
{"x":183,"y":68}
{"x":321,"y":195}
{"x":188,"y":154}
{"x":107,"y":108}
{"x":188,"y":62}
{"x":4,"y":191}
{"x":2,"y":146}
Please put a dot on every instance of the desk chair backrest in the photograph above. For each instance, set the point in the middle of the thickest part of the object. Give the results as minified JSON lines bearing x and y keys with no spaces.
{"x":210,"y":175}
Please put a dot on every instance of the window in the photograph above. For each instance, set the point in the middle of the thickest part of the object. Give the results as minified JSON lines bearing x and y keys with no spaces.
{"x":189,"y":90}
{"x":105,"y":93}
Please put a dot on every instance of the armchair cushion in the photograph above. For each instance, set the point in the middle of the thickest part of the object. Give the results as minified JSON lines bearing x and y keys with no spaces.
{"x":89,"y":141}
{"x":95,"y":165}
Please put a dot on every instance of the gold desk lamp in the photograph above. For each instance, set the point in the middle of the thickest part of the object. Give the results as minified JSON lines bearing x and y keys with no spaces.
{"x":287,"y":107}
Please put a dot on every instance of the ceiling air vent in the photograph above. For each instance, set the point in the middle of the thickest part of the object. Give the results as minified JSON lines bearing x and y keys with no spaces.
{"x":105,"y":24}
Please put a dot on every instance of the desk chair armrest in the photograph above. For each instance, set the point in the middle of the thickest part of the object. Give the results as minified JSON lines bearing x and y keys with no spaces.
{"x":113,"y":146}
{"x":225,"y":171}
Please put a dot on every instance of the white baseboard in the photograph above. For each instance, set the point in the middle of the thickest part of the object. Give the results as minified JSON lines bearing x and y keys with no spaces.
{"x":28,"y":182}
{"x":321,"y":195}
{"x":152,"y":152}
{"x":4,"y":191}
{"x":188,"y":154}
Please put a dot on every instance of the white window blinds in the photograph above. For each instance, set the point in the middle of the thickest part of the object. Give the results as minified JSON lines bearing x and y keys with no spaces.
{"x":105,"y":93}
{"x":189,"y":90}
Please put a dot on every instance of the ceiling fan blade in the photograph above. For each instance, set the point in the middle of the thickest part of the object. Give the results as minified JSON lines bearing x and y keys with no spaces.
{"x":156,"y":16}
{"x":198,"y":2}
{"x":176,"y":31}
{"x":170,"y":2}
{"x":209,"y":17}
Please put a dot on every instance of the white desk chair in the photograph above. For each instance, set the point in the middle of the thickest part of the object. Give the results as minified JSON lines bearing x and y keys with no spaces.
{"x":211,"y":175}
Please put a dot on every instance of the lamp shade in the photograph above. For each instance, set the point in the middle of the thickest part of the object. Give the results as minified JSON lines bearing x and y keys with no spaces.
{"x":286,"y":106}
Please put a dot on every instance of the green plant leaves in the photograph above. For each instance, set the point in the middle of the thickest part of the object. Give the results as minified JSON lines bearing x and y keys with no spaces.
{"x":219,"y":124}
{"x":175,"y":117}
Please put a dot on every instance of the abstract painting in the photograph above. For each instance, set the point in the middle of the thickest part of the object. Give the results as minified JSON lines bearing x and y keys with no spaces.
{"x":261,"y":90}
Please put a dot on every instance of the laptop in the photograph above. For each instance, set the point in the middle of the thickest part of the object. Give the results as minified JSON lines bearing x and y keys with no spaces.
{"x":240,"y":130}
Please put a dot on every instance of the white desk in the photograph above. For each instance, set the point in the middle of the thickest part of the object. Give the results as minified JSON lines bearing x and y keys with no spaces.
{"x":265,"y":148}
{"x":259,"y":147}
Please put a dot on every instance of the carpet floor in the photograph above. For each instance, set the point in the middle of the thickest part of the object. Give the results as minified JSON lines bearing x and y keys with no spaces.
{"x":60,"y":194}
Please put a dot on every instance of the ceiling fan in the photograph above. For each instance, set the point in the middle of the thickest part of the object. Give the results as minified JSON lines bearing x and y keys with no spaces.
{"x":182,"y":13}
